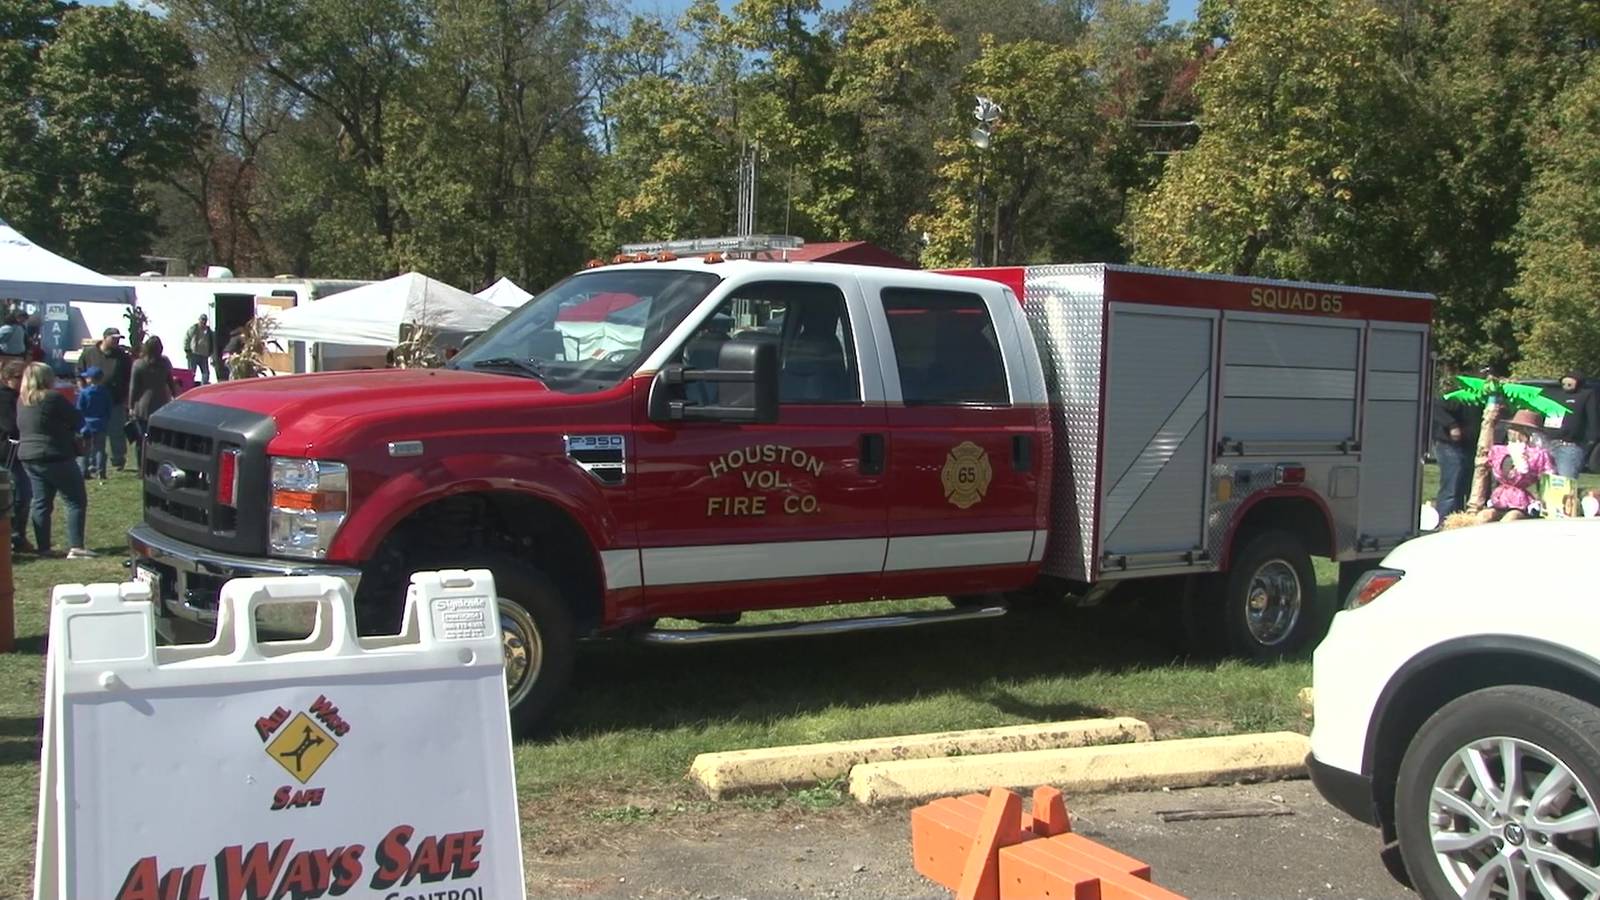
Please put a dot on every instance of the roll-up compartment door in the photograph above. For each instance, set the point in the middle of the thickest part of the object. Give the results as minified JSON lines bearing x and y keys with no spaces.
{"x":1288,"y":382}
{"x":1391,"y":448}
{"x":1159,"y":381}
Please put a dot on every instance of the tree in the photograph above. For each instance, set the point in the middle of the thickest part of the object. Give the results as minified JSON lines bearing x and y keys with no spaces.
{"x":1304,"y":155}
{"x":1487,"y":70}
{"x":1039,"y":173}
{"x":115,"y":97}
{"x":871,"y":165}
{"x":26,"y":26}
{"x":351,"y":62}
{"x":1558,"y":240}
{"x":672,"y":119}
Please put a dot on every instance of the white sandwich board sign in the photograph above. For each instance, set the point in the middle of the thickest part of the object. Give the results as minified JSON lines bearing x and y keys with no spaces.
{"x":334,"y":766}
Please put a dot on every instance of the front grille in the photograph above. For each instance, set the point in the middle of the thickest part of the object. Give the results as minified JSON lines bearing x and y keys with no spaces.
{"x":177,"y":509}
{"x":192,"y":444}
{"x":183,"y":444}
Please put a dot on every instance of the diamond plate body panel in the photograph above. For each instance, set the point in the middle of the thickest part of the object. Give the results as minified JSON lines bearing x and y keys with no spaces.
{"x":1066,"y":311}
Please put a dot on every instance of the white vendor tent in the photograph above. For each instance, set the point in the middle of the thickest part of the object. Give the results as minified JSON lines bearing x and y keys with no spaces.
{"x":30,"y":272}
{"x":373,"y":315}
{"x":72,"y":303}
{"x":505,"y":293}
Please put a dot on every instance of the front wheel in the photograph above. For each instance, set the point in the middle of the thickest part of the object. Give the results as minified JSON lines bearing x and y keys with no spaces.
{"x":1496,"y":797}
{"x":537,"y":634}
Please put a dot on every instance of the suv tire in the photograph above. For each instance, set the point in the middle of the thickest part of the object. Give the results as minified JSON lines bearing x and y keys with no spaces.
{"x":1458,"y":754}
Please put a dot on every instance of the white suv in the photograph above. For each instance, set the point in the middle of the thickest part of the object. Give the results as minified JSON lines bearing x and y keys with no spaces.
{"x":1458,"y":709}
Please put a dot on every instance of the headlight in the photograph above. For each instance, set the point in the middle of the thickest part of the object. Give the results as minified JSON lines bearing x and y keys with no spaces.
{"x":309,"y":501}
{"x":1370,"y":585}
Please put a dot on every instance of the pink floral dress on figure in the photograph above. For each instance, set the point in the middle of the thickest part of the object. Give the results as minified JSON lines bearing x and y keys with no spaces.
{"x":1513,"y":486}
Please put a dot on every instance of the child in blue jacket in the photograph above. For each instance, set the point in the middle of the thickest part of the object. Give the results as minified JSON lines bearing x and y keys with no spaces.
{"x":94,"y":403}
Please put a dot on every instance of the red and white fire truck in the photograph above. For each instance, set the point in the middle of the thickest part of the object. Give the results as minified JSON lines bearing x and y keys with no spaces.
{"x":736,"y":434}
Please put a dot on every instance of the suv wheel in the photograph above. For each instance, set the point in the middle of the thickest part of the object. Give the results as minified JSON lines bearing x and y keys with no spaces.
{"x":1496,"y":797}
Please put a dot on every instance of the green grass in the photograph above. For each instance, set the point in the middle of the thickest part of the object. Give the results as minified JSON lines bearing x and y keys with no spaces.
{"x":112,"y":508}
{"x":637,"y":715}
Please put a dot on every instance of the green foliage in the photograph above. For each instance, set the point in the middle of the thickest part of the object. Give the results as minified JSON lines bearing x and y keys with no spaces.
{"x":1489,"y":70}
{"x":1558,"y":240}
{"x":96,"y":104}
{"x":1040,"y":152}
{"x":1300,"y":167}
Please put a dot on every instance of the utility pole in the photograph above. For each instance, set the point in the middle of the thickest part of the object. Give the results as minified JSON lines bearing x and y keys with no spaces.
{"x":748,"y":151}
{"x":987,"y":112}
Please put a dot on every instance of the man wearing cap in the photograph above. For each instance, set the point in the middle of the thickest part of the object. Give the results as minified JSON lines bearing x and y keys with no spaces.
{"x":115,"y":365}
{"x":198,"y":345}
{"x":1571,"y":433}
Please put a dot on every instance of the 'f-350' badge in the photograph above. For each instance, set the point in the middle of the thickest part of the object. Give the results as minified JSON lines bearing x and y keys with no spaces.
{"x":966,"y":474}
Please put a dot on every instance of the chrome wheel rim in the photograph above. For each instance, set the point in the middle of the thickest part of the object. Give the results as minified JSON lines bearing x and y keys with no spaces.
{"x":1508,"y":819}
{"x":524,"y":650}
{"x":1272,"y":602}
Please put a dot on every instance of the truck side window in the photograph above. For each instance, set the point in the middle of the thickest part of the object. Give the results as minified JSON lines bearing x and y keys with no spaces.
{"x":945,"y":346}
{"x":816,"y":354}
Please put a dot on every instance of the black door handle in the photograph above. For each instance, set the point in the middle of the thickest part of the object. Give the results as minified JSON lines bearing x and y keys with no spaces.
{"x":1022,"y":452}
{"x":872,"y":454}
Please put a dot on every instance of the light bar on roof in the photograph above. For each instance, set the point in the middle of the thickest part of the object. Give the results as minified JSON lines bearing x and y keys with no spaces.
{"x":750,"y":243}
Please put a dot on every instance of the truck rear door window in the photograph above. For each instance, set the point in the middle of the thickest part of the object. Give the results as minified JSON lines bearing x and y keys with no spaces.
{"x":945,"y":348}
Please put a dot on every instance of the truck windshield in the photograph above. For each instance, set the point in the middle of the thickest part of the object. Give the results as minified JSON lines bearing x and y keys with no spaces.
{"x":592,"y":330}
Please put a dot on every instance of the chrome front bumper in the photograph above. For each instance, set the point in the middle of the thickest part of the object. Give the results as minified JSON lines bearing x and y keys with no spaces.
{"x":190,"y":576}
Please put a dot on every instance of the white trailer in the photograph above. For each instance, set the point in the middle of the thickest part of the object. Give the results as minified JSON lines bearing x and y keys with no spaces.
{"x":171,"y":305}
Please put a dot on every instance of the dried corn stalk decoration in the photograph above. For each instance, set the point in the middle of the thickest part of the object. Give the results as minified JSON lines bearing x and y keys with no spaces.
{"x":253,"y":348}
{"x":418,"y":347}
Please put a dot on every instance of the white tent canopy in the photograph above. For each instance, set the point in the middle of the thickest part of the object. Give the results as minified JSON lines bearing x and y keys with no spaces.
{"x":373,"y":315}
{"x":30,"y":272}
{"x":505,"y":293}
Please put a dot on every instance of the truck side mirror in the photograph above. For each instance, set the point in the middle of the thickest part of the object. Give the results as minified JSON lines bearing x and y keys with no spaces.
{"x":745,"y":385}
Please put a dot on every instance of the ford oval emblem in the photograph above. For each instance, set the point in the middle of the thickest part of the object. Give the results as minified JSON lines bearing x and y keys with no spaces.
{"x":170,"y":476}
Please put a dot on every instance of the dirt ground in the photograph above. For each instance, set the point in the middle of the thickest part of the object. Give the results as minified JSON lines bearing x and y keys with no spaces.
{"x":728,"y":852}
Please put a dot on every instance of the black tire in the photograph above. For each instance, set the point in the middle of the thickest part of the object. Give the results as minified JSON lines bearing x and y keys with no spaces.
{"x":1266,"y":567}
{"x":1566,"y":729}
{"x":536,"y":621}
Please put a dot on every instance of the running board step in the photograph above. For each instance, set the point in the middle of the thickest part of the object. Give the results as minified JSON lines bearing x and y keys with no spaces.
{"x":729,"y":634}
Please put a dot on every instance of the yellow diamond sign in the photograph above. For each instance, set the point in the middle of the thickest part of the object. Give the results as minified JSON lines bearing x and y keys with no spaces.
{"x":966,"y":474}
{"x":302,"y":747}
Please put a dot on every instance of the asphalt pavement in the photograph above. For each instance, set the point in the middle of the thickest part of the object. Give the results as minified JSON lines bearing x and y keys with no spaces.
{"x":1304,"y":849}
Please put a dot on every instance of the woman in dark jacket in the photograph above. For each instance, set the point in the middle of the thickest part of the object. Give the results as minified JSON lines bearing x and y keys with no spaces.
{"x":49,"y":426}
{"x":21,"y":487}
{"x":151,"y":387}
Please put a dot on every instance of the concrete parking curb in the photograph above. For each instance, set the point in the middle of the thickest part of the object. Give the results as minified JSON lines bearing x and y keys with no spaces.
{"x":1182,"y":763}
{"x":770,"y":768}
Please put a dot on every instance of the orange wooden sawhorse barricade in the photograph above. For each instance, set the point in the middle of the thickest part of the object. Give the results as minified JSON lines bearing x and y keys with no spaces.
{"x":987,"y":848}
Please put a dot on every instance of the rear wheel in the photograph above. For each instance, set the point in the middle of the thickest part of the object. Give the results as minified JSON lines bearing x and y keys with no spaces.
{"x":1265,"y":606}
{"x":1496,"y":797}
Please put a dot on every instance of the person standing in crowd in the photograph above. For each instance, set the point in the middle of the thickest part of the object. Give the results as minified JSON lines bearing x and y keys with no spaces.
{"x":94,"y":404}
{"x":1455,"y":443}
{"x":14,"y":335}
{"x":21,"y":486}
{"x":153,"y":387}
{"x":49,"y":427}
{"x":1571,"y":434}
{"x":198,"y":345}
{"x":116,"y":370}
